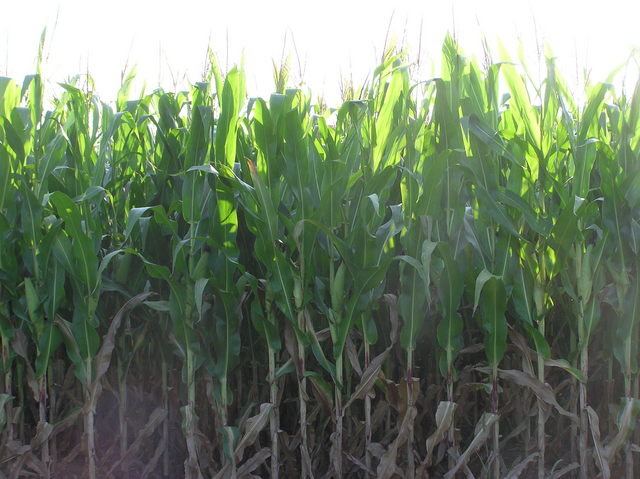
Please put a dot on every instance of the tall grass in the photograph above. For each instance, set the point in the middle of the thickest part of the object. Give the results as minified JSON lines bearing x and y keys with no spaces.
{"x":200,"y":284}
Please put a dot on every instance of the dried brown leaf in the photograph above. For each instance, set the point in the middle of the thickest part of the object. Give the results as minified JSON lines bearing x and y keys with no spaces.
{"x":483,"y":428}
{"x":542,"y":391}
{"x":103,"y":358}
{"x":253,"y":463}
{"x":392,"y":394}
{"x":473,"y":349}
{"x":403,"y":392}
{"x":376,"y":449}
{"x":601,"y":459}
{"x":291,"y":344}
{"x":19,"y":345}
{"x":360,"y":464}
{"x":321,"y":394}
{"x":68,"y":421}
{"x":565,"y":470}
{"x":392,"y":303}
{"x":516,"y":431}
{"x":527,"y":353}
{"x":43,"y":432}
{"x":150,"y":466}
{"x":352,"y":354}
{"x":155,"y":419}
{"x":229,"y":469}
{"x":387,"y":466}
{"x":626,"y":425}
{"x":369,"y":377}
{"x":321,"y":335}
{"x":444,"y":420}
{"x":252,"y":428}
{"x":519,"y":468}
{"x":564,"y":364}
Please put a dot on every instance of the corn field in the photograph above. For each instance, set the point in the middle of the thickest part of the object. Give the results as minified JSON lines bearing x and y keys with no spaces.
{"x":437,"y":279}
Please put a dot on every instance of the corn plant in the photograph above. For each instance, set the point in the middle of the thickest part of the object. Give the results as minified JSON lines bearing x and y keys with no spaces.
{"x":438,"y":276}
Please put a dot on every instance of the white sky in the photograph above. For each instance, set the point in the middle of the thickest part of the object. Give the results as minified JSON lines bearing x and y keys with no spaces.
{"x":168,"y":39}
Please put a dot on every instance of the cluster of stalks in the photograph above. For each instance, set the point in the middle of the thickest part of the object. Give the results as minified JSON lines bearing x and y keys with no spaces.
{"x":436,"y":278}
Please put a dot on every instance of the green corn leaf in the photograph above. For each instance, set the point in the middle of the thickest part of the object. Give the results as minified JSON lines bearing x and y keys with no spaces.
{"x":48,"y":343}
{"x":226,"y":230}
{"x":489,"y":138}
{"x":86,"y":261}
{"x":31,"y":217}
{"x":484,"y":276}
{"x":411,"y":305}
{"x":155,"y":270}
{"x":536,"y":223}
{"x":585,"y":158}
{"x":496,"y":211}
{"x":521,"y":102}
{"x":33,"y":304}
{"x":522,"y":295}
{"x":133,"y":218}
{"x":84,"y":333}
{"x":449,"y":330}
{"x":233,"y":94}
{"x":227,"y":347}
{"x":198,"y":291}
{"x":635,"y":237}
{"x":181,"y":319}
{"x":6,"y":189}
{"x":193,"y":192}
{"x":91,"y":193}
{"x":625,"y":348}
{"x":365,"y":280}
{"x":55,"y":285}
{"x":385,"y":121}
{"x":208,"y":169}
{"x":491,"y":295}
{"x":63,"y":252}
{"x":73,"y":351}
{"x":590,"y":319}
{"x":542,"y":346}
{"x":9,"y":96}
{"x":592,"y":110}
{"x":265,"y":328}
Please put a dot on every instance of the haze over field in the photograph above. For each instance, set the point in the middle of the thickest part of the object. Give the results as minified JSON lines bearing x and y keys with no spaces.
{"x":333,"y":39}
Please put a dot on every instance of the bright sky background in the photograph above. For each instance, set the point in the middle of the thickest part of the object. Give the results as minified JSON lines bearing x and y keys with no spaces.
{"x":167,"y":40}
